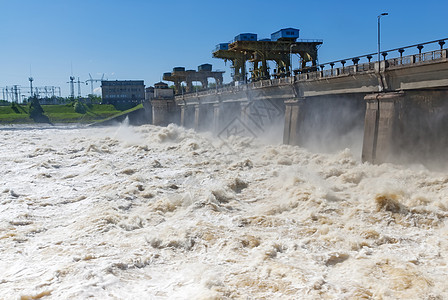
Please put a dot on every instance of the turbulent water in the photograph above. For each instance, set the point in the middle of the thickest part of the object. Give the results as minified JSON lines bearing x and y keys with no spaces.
{"x":166,"y":213}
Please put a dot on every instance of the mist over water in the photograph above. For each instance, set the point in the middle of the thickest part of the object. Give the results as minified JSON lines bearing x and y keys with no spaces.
{"x":167,"y":213}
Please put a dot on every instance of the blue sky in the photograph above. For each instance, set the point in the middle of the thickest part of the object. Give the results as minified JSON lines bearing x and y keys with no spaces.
{"x":137,"y":39}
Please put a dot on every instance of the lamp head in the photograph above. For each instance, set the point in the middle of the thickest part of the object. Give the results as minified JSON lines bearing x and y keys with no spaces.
{"x":384,"y":14}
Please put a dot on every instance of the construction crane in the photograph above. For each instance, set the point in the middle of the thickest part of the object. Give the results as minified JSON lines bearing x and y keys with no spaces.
{"x":91,"y":80}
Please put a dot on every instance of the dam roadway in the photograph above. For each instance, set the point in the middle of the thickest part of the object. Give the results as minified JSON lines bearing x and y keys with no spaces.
{"x":398,"y":107}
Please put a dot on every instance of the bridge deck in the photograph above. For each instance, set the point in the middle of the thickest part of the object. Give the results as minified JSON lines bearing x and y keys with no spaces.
{"x":417,"y":71}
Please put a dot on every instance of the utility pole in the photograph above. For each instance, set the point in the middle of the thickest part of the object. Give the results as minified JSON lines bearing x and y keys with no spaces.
{"x":79,"y":87}
{"x":91,"y":84}
{"x":16,"y":93}
{"x":31,"y":86}
{"x":72,"y":87}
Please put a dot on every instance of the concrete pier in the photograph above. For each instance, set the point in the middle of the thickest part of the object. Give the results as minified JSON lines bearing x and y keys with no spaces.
{"x":223,"y":114}
{"x":294,"y":118}
{"x":325,"y":123}
{"x":203,"y":117}
{"x":218,"y":116}
{"x":187,"y":116}
{"x":380,"y":128}
{"x":407,"y":128}
{"x":165,"y":112}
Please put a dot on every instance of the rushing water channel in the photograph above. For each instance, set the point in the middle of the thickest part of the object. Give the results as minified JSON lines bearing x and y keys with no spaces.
{"x":166,"y":213}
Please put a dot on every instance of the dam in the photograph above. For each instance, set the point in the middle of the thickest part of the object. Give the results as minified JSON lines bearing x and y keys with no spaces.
{"x":398,"y":106}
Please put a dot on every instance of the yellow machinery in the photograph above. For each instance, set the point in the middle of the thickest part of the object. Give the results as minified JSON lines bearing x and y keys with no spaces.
{"x":179,"y":75}
{"x":283,"y":44}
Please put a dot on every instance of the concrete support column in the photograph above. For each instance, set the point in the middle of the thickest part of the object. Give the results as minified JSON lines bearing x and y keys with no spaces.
{"x":183,"y":112}
{"x":224,"y":115}
{"x":197,"y":116}
{"x":218,"y":80}
{"x":189,"y":86}
{"x":218,"y":116}
{"x":148,"y":111}
{"x":187,"y":116}
{"x":164,"y":112}
{"x":244,"y":111}
{"x":381,"y":127}
{"x":294,"y":117}
{"x":203,"y":117}
{"x":177,"y":87}
{"x":159,"y":112}
{"x":173,"y":112}
{"x":204,"y":83}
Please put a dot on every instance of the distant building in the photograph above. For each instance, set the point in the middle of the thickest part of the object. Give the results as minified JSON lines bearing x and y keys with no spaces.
{"x":123,"y":91}
{"x":149,"y":93}
{"x":164,"y":108}
{"x":162,"y":91}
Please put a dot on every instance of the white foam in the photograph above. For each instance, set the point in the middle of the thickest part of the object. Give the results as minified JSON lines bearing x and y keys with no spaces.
{"x":151,"y":212}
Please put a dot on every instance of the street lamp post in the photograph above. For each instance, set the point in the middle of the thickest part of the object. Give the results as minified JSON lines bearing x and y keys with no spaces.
{"x":290,"y":59}
{"x":379,"y":41}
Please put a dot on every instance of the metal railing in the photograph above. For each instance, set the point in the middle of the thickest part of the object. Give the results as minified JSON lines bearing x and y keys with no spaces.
{"x":369,"y":65}
{"x":309,"y":41}
{"x":342,"y":67}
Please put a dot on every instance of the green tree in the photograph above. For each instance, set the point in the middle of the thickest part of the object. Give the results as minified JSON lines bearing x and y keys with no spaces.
{"x":36,"y":112}
{"x":15,"y":108}
{"x":95,"y":98}
{"x":79,"y":107}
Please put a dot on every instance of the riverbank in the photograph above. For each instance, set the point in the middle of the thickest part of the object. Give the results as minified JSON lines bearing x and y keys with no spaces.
{"x":63,"y":114}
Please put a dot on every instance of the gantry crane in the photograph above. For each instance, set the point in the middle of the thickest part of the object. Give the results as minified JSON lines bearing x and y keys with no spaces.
{"x":283,"y":43}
